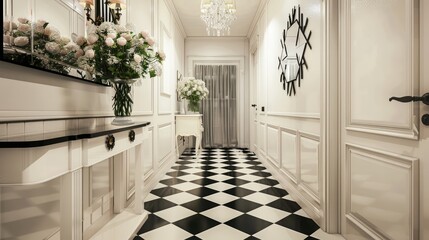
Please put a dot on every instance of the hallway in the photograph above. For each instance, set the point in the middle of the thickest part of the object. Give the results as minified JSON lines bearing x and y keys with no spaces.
{"x":228,"y":194}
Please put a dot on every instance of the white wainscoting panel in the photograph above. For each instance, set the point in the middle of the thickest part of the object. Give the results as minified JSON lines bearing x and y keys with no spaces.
{"x":289,"y":154}
{"x":382,"y":196}
{"x":261,"y":138}
{"x":273,"y":144}
{"x":164,"y":140}
{"x":148,"y":153}
{"x":309,"y":168}
{"x":382,"y":45}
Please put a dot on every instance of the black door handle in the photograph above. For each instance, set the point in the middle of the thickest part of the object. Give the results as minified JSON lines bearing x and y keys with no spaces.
{"x":405,"y":99}
{"x":253,"y":105}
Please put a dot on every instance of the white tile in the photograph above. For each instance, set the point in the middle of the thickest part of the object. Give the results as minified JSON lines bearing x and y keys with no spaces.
{"x":254,"y":186}
{"x":181,"y":198}
{"x":220,"y":177}
{"x":243,"y":165}
{"x":221,"y":213}
{"x":186,"y":186}
{"x":192,"y":170}
{"x":174,"y":214}
{"x":219,"y":165}
{"x":189,"y":177}
{"x":166,"y":177}
{"x":251,"y":178}
{"x":170,"y":232}
{"x":227,"y":233}
{"x":220,"y":186}
{"x":301,"y":213}
{"x":261,"y":198}
{"x":277,"y":232}
{"x":221,"y":198}
{"x":246,"y":170}
{"x":269,"y":214}
{"x":150,"y":197}
{"x":288,"y":197}
{"x":219,"y":170}
{"x":320,"y":234}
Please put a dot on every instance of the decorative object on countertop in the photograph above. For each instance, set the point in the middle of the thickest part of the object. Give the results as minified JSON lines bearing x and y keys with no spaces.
{"x":294,"y":43}
{"x":193,"y":90}
{"x":122,"y":57}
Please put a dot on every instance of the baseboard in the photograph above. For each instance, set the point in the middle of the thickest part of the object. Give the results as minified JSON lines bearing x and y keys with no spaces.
{"x":157,"y":175}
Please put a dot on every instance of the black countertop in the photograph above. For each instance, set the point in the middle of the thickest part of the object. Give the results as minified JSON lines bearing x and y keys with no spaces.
{"x":44,"y":139}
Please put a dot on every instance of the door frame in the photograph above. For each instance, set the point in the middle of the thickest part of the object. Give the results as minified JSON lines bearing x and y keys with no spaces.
{"x":253,"y":95}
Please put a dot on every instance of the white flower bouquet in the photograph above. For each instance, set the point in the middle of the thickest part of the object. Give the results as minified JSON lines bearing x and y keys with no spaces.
{"x":193,"y":90}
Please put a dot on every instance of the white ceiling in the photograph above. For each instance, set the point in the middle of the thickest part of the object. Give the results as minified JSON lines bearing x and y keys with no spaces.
{"x":189,"y":14}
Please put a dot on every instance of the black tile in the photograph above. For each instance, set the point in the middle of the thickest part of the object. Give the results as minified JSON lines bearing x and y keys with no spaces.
{"x":248,"y":224}
{"x":193,"y":238}
{"x":137,"y":238}
{"x":311,"y":238}
{"x":172,"y":181}
{"x":200,"y":205}
{"x":165,"y":191}
{"x":204,"y":181}
{"x":252,"y":238}
{"x":181,"y":167}
{"x":185,"y":162}
{"x":239,"y":192}
{"x":232,"y":167}
{"x":285,"y":205}
{"x":299,"y":223}
{"x":207,"y":167}
{"x":196,"y":223}
{"x":205,"y":174}
{"x":251,"y":158}
{"x":233,"y":174}
{"x":158,"y":205}
{"x":202,"y":191}
{"x":259,"y":168}
{"x":152,"y":222}
{"x":177,"y":174}
{"x":208,"y":162}
{"x":269,"y":182}
{"x":278,"y":192}
{"x":261,"y":174}
{"x":229,"y":157}
{"x":243,"y":205}
{"x":208,"y":158}
{"x":236,"y":181}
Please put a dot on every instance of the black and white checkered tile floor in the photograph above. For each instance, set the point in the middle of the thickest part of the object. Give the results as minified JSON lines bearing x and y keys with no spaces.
{"x":225,"y":194}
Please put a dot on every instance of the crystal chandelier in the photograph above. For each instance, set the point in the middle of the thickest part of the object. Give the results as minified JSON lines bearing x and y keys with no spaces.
{"x":218,"y":16}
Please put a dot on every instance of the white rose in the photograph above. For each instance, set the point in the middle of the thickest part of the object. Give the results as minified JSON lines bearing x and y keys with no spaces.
{"x":80,"y":40}
{"x":21,"y":41}
{"x":41,"y":22}
{"x":137,"y":58}
{"x":121,"y":41}
{"x":71,"y":46}
{"x":64,"y":40}
{"x":145,"y":34}
{"x":162,"y":55}
{"x":55,"y":37}
{"x":126,"y":36}
{"x":23,"y":20}
{"x":198,"y":93}
{"x":109,"y":42}
{"x":7,"y":26}
{"x":112,"y":34}
{"x":49,"y":30}
{"x":52,"y":47}
{"x":90,"y":53}
{"x":24,"y":28}
{"x":92,"y":38}
{"x":141,"y":41}
{"x":189,"y":93}
{"x":79,"y":53}
{"x":150,"y":41}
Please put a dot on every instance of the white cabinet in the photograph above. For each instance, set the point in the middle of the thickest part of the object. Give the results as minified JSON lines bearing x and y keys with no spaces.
{"x":190,"y":125}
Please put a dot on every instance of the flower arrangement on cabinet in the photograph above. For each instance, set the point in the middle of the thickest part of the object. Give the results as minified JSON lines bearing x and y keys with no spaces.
{"x":121,"y":57}
{"x":193,"y":90}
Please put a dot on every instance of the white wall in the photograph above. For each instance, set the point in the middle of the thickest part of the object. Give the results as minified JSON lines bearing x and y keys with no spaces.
{"x":289,"y":130}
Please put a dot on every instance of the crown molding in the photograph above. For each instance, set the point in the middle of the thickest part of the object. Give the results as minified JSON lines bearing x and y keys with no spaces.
{"x":261,"y":7}
{"x":173,"y":11}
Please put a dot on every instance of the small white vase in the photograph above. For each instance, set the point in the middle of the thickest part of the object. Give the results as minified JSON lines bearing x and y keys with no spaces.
{"x":121,"y":121}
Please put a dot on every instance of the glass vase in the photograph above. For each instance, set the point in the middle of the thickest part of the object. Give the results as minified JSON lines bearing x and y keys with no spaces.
{"x":193,"y":107}
{"x":122,"y":102}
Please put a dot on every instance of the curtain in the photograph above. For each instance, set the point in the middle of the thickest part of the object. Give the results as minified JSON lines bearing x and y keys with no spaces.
{"x":220,"y":108}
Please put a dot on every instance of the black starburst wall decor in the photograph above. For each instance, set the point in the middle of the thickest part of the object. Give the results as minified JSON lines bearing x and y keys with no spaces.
{"x":294,"y":43}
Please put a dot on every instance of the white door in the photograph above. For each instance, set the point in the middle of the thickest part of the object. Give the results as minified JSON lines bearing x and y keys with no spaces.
{"x":253,"y":101}
{"x":384,"y":145}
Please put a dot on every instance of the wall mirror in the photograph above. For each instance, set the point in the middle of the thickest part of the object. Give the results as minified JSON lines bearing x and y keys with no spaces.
{"x":294,"y":43}
{"x":47,"y":35}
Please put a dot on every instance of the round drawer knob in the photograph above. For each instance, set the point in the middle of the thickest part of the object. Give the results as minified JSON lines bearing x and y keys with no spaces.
{"x":110,"y":142}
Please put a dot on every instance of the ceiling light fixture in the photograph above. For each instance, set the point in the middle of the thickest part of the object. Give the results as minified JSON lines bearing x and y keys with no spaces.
{"x":116,"y":6}
{"x":218,"y":16}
